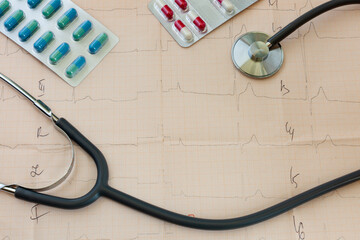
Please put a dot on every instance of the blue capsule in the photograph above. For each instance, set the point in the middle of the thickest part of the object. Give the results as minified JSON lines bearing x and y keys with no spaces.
{"x":41,"y":44}
{"x":4,"y":7}
{"x":59,"y":53}
{"x":82,"y":30}
{"x":51,"y":8}
{"x":28,"y":30}
{"x":33,"y":3}
{"x":75,"y":67}
{"x":67,"y":18}
{"x":14,"y":20}
{"x":98,"y":43}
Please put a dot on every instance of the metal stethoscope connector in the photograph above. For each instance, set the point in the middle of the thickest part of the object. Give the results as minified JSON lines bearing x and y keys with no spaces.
{"x":258,"y":55}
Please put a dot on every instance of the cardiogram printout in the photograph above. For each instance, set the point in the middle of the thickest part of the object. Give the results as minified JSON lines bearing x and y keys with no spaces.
{"x":183,"y":129}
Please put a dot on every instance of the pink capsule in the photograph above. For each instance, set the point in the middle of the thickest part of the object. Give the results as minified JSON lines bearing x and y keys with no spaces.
{"x":197,"y":21}
{"x":184,"y":31}
{"x":182,"y":4}
{"x":165,"y":9}
{"x":227,"y":5}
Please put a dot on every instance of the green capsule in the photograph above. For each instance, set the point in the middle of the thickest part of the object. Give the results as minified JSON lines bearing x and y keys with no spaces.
{"x":14,"y":20}
{"x":98,"y":43}
{"x":82,"y":30}
{"x":67,"y":18}
{"x":59,"y":53}
{"x":28,"y":30}
{"x":43,"y":42}
{"x":51,"y":8}
{"x":33,"y":3}
{"x":4,"y":7}
{"x":75,"y":67}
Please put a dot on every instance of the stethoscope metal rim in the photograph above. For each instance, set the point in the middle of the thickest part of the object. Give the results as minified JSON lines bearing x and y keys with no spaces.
{"x":264,"y":67}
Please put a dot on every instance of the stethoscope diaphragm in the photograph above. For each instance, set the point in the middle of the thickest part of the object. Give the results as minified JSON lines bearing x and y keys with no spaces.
{"x":254,"y":57}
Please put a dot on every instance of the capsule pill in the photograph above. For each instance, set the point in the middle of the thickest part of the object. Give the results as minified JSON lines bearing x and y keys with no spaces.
{"x":51,"y":8}
{"x":184,"y":31}
{"x":197,"y":21}
{"x":41,"y":44}
{"x":165,"y":9}
{"x":98,"y":43}
{"x":227,"y":5}
{"x":82,"y":30}
{"x":14,"y":20}
{"x":4,"y":7}
{"x":33,"y":3}
{"x":59,"y":53}
{"x":68,"y":17}
{"x":183,"y":5}
{"x":28,"y":30}
{"x":75,"y":67}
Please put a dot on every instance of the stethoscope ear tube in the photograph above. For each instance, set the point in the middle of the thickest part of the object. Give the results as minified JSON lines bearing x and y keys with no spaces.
{"x":87,"y":199}
{"x":102,"y":188}
{"x":57,"y":202}
{"x":90,"y":148}
{"x":297,"y":23}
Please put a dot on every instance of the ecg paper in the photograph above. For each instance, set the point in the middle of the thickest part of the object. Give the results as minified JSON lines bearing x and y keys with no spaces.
{"x":184,"y":130}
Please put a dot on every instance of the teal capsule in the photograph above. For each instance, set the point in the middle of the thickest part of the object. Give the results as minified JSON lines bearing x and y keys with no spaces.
{"x":82,"y":30}
{"x":4,"y":7}
{"x":59,"y":53}
{"x":75,"y":67}
{"x":41,"y":44}
{"x":28,"y":30}
{"x":67,"y":18}
{"x":98,"y":43}
{"x":51,"y":8}
{"x":33,"y":3}
{"x":14,"y":20}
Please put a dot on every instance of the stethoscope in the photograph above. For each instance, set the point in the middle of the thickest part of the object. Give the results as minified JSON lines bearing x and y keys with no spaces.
{"x":256,"y":55}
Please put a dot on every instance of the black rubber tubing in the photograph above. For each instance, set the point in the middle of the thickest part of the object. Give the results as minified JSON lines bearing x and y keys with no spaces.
{"x":87,"y":199}
{"x":297,"y":23}
{"x":102,"y":188}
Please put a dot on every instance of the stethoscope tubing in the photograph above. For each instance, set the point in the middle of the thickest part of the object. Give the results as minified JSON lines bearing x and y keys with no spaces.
{"x":306,"y":17}
{"x":102,"y":188}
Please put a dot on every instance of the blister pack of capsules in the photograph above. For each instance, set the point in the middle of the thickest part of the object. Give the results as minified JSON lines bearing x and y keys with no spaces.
{"x":58,"y":33}
{"x":188,"y":21}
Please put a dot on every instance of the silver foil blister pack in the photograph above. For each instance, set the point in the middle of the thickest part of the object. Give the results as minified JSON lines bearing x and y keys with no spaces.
{"x":188,"y":21}
{"x":85,"y":38}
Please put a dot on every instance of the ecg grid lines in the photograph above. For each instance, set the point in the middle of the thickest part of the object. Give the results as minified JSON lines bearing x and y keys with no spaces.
{"x":183,"y":129}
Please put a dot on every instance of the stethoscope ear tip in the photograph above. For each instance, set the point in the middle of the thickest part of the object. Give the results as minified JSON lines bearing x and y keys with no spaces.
{"x":254,"y":56}
{"x":8,"y":188}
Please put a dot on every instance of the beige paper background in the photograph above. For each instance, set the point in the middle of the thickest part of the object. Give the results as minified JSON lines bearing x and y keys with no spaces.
{"x":183,"y":129}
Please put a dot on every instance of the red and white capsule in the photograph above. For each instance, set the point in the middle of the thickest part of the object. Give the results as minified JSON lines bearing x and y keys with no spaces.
{"x":197,"y":21}
{"x":227,"y":5}
{"x":183,"y":5}
{"x":184,"y":31}
{"x":165,"y":9}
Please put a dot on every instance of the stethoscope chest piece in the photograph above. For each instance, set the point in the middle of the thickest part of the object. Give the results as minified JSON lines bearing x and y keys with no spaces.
{"x":254,"y":57}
